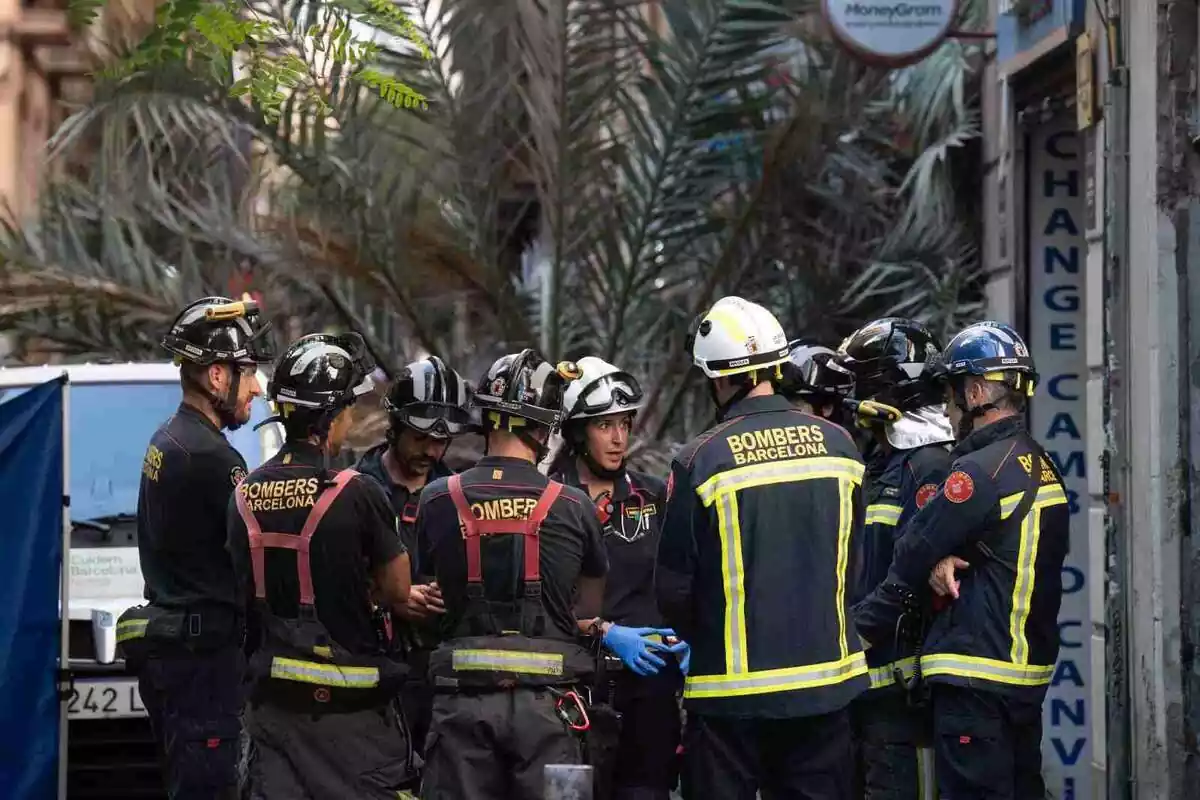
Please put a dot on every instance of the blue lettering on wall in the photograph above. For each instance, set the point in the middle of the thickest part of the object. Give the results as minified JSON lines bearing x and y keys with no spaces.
{"x":1057,"y":393}
{"x":1074,"y":463}
{"x":1062,"y":423}
{"x":1073,"y":506}
{"x":1057,"y":145}
{"x":1066,"y":670}
{"x":1056,"y":302}
{"x":1068,"y":789}
{"x":1053,"y":256}
{"x":1062,"y":639}
{"x":1068,"y":757}
{"x":1062,"y":336}
{"x":1060,"y":220}
{"x":1049,"y":182}
{"x":1060,"y":709}
{"x":1073,"y":579}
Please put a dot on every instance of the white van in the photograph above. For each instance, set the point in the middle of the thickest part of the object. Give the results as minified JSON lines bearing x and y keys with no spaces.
{"x":114,"y":409}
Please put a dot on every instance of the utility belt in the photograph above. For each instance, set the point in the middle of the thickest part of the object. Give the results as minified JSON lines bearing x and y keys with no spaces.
{"x":147,"y":630}
{"x":321,"y":684}
{"x":507,"y":661}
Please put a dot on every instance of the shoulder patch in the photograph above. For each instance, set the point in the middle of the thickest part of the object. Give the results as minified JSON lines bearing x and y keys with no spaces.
{"x":959,"y":487}
{"x":237,"y":474}
{"x":670,"y":484}
{"x":927,"y":492}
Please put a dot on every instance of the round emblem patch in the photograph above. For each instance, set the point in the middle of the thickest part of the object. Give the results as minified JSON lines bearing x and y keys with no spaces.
{"x":925,"y":494}
{"x":321,"y":694}
{"x":236,"y":474}
{"x":959,"y":487}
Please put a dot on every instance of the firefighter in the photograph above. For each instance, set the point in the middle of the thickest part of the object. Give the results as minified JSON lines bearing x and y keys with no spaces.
{"x":764,"y":514}
{"x":906,"y":462}
{"x":600,"y":407}
{"x":428,"y":405}
{"x":310,"y":547}
{"x":993,"y":540}
{"x":186,"y":644}
{"x":509,"y":549}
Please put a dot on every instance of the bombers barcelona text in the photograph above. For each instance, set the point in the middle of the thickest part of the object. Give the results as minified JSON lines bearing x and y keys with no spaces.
{"x":776,"y":444}
{"x":280,"y":495}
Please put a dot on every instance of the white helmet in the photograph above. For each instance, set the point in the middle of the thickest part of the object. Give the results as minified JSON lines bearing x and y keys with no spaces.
{"x":737,"y":336}
{"x":602,"y":389}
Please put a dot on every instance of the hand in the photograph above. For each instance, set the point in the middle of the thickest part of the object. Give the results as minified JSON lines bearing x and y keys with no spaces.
{"x":942,"y":578}
{"x":423,"y":603}
{"x":635,"y":650}
{"x":680,"y":646}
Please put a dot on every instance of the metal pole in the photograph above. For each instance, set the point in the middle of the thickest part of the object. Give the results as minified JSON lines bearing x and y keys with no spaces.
{"x":64,"y":573}
{"x":567,"y":782}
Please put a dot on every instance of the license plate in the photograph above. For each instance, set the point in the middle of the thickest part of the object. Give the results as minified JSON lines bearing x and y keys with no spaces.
{"x":105,"y":699}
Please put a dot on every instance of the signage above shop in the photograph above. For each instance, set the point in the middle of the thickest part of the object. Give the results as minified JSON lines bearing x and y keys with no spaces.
{"x":890,"y":33}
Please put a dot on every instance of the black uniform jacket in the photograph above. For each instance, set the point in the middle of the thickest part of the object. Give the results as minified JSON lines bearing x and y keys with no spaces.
{"x":631,"y":536}
{"x":508,"y":488}
{"x":357,"y":536}
{"x":758,"y":559}
{"x":1003,"y":508}
{"x":188,"y":476}
{"x":898,"y":482}
{"x":404,"y":502}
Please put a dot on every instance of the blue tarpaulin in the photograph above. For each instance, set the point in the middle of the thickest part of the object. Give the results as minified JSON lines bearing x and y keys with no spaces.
{"x":31,"y":508}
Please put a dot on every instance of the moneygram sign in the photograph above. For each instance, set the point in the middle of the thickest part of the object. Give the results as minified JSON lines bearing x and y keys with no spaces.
{"x":890,"y":33}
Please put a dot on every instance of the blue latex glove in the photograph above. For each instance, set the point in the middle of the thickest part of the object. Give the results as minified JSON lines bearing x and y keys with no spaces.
{"x":685,"y":661}
{"x":635,"y":650}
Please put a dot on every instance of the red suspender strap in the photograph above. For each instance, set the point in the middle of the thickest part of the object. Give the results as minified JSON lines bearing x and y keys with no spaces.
{"x":470,"y":530}
{"x":324,"y":501}
{"x":533,"y":548}
{"x":255,"y":535}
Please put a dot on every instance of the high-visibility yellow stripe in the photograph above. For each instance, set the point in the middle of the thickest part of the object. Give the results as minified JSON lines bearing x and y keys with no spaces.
{"x":1050,"y":495}
{"x":729,"y":531}
{"x":883,"y":514}
{"x":985,"y":669}
{"x":776,"y":680}
{"x":882,"y":677}
{"x":795,"y":469}
{"x":291,"y":669}
{"x":845,"y":524}
{"x":518,"y":661}
{"x":131,"y":629}
{"x":1023,"y":581}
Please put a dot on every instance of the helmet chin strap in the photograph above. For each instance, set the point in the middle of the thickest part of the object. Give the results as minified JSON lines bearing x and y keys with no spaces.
{"x":966,"y":423}
{"x":577,"y":440}
{"x":723,"y":408}
{"x":224,"y":407}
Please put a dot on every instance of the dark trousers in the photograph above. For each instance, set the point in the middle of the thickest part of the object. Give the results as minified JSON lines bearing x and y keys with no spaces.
{"x":647,"y":755}
{"x":300,"y":756}
{"x":802,"y":758}
{"x":494,"y":745}
{"x":894,"y":743}
{"x":416,"y":699}
{"x":194,"y":701}
{"x":988,"y":746}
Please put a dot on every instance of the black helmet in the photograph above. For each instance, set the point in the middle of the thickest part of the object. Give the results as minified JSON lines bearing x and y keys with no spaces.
{"x":322,"y":372}
{"x":813,"y":373}
{"x":213,"y":330}
{"x":430,"y":398}
{"x":524,"y":385}
{"x":891,"y":359}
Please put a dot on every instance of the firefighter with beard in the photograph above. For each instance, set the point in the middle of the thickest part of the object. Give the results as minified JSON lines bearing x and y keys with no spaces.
{"x":906,"y":462}
{"x":993,"y":539}
{"x":599,"y":408}
{"x":513,"y":552}
{"x":310,"y":547}
{"x":428,"y":405}
{"x":186,"y":644}
{"x":758,"y":550}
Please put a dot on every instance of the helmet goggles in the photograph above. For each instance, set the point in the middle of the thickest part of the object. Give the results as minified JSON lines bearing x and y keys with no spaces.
{"x":439,"y":420}
{"x":611,"y":393}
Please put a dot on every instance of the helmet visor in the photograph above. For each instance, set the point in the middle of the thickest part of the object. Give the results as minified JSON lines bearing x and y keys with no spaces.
{"x":616,"y":392}
{"x":439,"y":420}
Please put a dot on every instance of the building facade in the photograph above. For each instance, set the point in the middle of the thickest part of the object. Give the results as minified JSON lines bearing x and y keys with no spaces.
{"x":1093,"y":250}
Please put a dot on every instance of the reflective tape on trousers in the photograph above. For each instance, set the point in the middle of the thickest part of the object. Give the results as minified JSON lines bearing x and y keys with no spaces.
{"x":521,"y":662}
{"x":290,"y":669}
{"x":131,"y":629}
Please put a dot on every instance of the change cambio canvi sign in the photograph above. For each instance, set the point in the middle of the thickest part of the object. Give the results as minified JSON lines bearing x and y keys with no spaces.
{"x":891,"y":33}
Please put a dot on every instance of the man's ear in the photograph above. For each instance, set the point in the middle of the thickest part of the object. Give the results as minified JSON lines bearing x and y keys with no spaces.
{"x":218,"y":378}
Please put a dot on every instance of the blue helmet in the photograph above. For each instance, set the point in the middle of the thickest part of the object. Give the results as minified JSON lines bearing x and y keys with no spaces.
{"x":990,"y":350}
